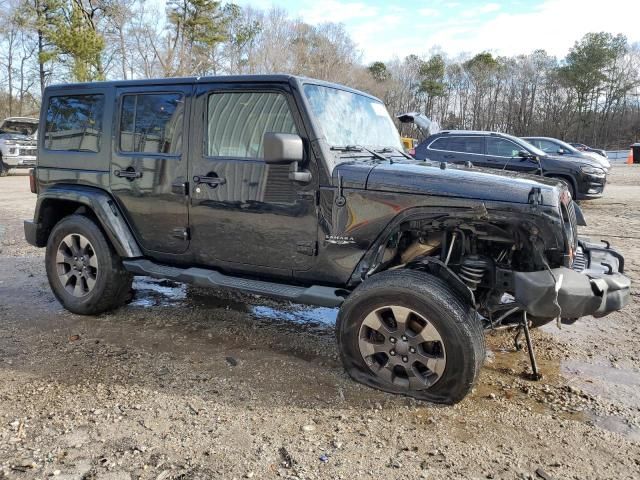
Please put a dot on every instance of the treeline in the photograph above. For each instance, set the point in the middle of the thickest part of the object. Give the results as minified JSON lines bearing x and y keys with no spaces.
{"x":591,"y":96}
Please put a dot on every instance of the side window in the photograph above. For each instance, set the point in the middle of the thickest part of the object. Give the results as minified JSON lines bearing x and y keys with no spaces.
{"x":237,"y":122}
{"x":439,"y":144}
{"x":549,"y":147}
{"x":152,"y":123}
{"x":501,"y":147}
{"x":74,"y":123}
{"x":465,"y":144}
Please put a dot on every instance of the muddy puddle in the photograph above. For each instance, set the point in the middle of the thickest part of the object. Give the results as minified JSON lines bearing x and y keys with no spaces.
{"x":570,"y":389}
{"x":150,"y":292}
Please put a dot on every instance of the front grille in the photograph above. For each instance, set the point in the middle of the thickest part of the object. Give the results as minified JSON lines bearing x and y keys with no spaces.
{"x":573,"y":224}
{"x":27,"y":152}
{"x":580,"y":261}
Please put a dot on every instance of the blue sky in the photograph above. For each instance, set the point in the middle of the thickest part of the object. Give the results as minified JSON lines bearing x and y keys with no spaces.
{"x":387,"y":29}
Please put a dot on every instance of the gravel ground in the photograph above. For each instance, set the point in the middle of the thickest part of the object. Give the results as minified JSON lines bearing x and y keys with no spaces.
{"x":187,"y":384}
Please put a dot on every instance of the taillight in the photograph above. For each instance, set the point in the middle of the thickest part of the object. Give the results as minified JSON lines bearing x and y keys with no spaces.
{"x":33,"y":185}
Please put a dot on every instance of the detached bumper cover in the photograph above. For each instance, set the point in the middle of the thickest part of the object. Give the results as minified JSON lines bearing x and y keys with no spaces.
{"x":596,"y":286}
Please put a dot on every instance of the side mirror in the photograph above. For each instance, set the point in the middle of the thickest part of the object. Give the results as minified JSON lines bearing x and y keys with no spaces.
{"x":524,"y":154}
{"x":282,"y":148}
{"x":561,"y":151}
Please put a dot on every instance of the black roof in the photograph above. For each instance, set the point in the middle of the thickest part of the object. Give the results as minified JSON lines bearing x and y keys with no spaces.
{"x":274,"y":78}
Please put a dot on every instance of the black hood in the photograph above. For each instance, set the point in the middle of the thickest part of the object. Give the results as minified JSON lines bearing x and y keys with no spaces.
{"x":427,"y":178}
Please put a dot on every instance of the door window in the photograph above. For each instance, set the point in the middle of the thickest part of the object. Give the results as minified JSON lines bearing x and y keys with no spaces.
{"x":152,"y":123}
{"x":237,"y":122}
{"x":501,"y":147}
{"x":548,"y":147}
{"x":74,"y":123}
{"x":439,"y":144}
{"x":465,"y":144}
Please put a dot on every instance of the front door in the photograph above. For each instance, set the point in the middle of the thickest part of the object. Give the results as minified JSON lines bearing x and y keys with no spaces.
{"x":148,"y":168}
{"x":505,"y":154}
{"x":245,"y":214}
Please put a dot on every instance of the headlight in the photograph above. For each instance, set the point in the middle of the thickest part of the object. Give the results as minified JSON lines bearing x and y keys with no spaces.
{"x":592,"y":170}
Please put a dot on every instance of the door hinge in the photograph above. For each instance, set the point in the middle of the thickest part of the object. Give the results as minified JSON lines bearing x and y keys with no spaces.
{"x":307,"y":248}
{"x":181,"y":233}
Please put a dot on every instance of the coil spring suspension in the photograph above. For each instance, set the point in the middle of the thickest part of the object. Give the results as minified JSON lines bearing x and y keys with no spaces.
{"x":473,"y":269}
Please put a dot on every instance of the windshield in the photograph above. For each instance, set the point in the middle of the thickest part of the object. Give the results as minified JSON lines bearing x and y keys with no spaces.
{"x":348,"y":118}
{"x":18,"y":127}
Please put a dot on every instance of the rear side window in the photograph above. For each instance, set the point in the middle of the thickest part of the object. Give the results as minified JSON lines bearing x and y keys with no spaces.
{"x":237,"y":122}
{"x":465,"y":144}
{"x":439,"y":144}
{"x":152,"y":123}
{"x":74,"y":123}
{"x":502,"y":148}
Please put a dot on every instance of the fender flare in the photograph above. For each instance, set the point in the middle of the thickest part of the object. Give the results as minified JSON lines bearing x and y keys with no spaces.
{"x":101,"y":204}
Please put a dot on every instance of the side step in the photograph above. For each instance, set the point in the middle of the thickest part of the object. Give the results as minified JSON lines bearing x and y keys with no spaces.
{"x":201,"y":277}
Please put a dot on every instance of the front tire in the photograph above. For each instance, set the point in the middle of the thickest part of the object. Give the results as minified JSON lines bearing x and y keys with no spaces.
{"x":85,"y":273}
{"x":408,"y":332}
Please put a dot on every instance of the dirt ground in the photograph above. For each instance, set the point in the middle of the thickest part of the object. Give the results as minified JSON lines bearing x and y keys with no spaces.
{"x":191,"y":384}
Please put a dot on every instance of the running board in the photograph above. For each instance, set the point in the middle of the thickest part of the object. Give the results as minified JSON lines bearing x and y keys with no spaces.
{"x":201,"y":277}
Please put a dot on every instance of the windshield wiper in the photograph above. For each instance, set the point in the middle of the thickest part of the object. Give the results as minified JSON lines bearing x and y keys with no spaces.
{"x":394,"y":149}
{"x":359,"y":148}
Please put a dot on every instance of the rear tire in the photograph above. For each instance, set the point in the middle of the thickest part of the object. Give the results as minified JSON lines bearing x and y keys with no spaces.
{"x":84,"y":272}
{"x":4,"y":170}
{"x":381,"y":328}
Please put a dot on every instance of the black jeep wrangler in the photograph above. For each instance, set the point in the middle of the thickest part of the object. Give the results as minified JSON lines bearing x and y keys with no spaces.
{"x":300,"y":190}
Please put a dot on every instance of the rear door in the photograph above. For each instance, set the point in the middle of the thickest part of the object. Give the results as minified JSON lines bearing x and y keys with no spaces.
{"x":149,"y":165}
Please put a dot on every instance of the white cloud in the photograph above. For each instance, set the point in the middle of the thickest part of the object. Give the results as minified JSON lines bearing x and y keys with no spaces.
{"x":554,"y":25}
{"x":337,"y":11}
{"x":428,"y":12}
{"x":480,"y":10}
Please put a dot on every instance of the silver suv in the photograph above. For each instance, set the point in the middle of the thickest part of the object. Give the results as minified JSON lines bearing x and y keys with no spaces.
{"x":18,"y":144}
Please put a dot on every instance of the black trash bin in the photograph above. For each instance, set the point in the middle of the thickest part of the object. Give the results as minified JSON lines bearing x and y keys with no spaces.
{"x":635,"y":148}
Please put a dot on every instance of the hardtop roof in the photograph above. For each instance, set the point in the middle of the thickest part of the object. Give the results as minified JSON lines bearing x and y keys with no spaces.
{"x":271,"y":78}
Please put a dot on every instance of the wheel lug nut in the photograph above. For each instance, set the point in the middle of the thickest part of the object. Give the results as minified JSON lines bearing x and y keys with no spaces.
{"x":405,"y":359}
{"x":392,"y":353}
{"x":392,"y":340}
{"x":412,"y":350}
{"x":404,"y":338}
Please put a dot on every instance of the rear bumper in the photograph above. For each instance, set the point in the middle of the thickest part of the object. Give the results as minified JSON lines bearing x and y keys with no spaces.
{"x":596,"y":286}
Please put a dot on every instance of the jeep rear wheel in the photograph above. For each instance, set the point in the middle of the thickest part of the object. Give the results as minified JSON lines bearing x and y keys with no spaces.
{"x":407,"y":332}
{"x":85,"y":273}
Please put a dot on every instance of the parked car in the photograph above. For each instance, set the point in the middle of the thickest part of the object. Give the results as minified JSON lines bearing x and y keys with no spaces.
{"x":299,"y":189}
{"x":584,"y":148}
{"x":584,"y":177}
{"x":553,"y":146}
{"x":17,"y":143}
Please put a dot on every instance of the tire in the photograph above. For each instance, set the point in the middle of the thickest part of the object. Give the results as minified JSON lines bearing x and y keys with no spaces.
{"x":84,"y":272}
{"x":4,"y":170}
{"x":569,"y":185}
{"x":433,"y":306}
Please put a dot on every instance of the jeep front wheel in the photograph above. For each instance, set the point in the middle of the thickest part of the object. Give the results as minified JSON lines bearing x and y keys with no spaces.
{"x":408,"y":332}
{"x":85,"y":273}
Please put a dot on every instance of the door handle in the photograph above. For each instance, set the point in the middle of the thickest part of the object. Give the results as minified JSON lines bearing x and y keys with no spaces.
{"x":449,"y":156}
{"x":209,"y":180}
{"x":128,"y":174}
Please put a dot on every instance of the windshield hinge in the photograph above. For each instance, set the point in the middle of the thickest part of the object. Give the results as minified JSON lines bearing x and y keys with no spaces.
{"x":340,"y":200}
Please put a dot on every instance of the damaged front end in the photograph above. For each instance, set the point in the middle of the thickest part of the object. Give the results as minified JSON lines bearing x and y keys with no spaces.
{"x":595,"y":285}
